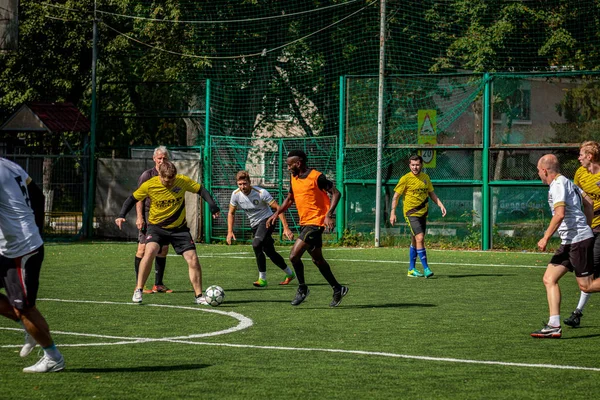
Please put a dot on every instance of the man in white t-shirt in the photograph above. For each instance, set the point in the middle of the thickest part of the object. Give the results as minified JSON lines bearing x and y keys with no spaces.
{"x":576,"y":251}
{"x":258,"y":203}
{"x":21,"y":257}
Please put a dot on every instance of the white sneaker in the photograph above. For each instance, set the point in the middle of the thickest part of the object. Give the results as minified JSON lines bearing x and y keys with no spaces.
{"x":137,"y":296}
{"x":46,"y":364}
{"x":201,"y":300}
{"x":29,"y":345}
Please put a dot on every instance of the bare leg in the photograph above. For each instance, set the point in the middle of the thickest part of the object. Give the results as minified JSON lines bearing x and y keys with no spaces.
{"x":551,"y":277}
{"x":146,"y":263}
{"x":36,"y":325}
{"x":195,"y":270}
{"x":7,"y":309}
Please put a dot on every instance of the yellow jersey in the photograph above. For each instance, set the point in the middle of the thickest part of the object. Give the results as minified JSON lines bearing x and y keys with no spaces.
{"x":415,"y":189}
{"x":167,"y":206}
{"x":589,"y":182}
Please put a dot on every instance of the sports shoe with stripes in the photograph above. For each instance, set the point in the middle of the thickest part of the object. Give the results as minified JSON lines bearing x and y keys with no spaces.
{"x":137,"y":296}
{"x":46,"y":364}
{"x":337,"y":296}
{"x":288,"y":279}
{"x":161,"y":289}
{"x":29,"y":345}
{"x":548,"y":332}
{"x":300,"y":296}
{"x":413,"y":273}
{"x":575,"y":319}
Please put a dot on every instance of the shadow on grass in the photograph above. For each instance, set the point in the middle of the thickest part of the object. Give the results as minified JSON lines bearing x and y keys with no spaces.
{"x":387,"y":305}
{"x":257,"y":301}
{"x":477,"y":275}
{"x":275,"y":285}
{"x":147,"y":368}
{"x":581,"y":337}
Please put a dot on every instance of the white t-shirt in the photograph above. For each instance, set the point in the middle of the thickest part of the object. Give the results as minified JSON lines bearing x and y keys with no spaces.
{"x":19,"y":234}
{"x":256,"y":205}
{"x":574,"y":227}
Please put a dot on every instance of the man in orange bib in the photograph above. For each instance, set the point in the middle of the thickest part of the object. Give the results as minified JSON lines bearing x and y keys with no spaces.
{"x":309,"y":190}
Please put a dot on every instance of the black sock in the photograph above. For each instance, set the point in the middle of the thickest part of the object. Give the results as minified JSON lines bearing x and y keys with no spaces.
{"x":137,"y":267}
{"x":159,"y":270}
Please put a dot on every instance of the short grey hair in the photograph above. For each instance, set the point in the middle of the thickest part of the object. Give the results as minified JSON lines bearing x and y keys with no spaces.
{"x":163,"y":150}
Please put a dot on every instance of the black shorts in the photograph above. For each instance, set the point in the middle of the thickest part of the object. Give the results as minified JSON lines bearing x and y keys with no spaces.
{"x":578,"y":257}
{"x":262,"y":233}
{"x":312,"y":235}
{"x":417,"y":224}
{"x":142,"y":234}
{"x":21,"y":278}
{"x":180,"y":238}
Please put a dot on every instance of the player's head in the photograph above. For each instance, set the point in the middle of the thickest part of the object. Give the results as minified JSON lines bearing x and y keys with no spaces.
{"x":243,"y":182}
{"x":160,"y":154}
{"x":296,"y":162}
{"x":589,"y":152}
{"x":167,"y":173}
{"x":415,"y":163}
{"x":548,"y":167}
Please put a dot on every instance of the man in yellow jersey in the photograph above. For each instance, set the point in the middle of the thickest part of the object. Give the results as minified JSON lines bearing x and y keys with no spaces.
{"x":309,"y":190}
{"x":416,"y":188}
{"x":167,"y":223}
{"x":587,"y":177}
{"x":142,"y":207}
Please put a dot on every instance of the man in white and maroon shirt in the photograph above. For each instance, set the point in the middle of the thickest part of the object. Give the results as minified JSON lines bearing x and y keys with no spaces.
{"x":21,"y":257}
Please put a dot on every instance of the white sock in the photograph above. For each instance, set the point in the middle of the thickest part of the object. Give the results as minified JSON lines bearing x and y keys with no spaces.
{"x":263,"y":275}
{"x":52,"y":352}
{"x":554,"y":320}
{"x":288,"y":271}
{"x":583,"y":299}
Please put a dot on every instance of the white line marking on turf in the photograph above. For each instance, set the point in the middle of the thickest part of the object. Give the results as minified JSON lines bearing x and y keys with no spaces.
{"x":381,"y":261}
{"x":247,"y":322}
{"x":405,"y":356}
{"x":243,"y":323}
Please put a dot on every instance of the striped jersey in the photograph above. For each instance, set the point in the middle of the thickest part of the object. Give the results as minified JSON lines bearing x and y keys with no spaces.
{"x":19,"y":234}
{"x":589,"y":182}
{"x":256,"y":205}
{"x":167,"y":207}
{"x":574,"y":227}
{"x":415,"y":189}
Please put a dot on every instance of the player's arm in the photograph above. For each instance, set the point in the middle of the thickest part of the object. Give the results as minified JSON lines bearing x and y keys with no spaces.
{"x":230,"y":221}
{"x":286,"y":228}
{"x":212,"y":204}
{"x":36,"y":197}
{"x":557,"y":218}
{"x":325,"y":184}
{"x":287,"y":202}
{"x":139,"y":210}
{"x":127,"y":206}
{"x":588,"y":207}
{"x":437,"y":201}
{"x":394,"y":205}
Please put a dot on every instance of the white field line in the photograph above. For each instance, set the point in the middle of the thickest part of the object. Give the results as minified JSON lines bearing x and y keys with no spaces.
{"x":246,"y":322}
{"x":182,"y":340}
{"x":242,"y":257}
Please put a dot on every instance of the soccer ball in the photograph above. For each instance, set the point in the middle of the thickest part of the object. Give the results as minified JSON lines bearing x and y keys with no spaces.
{"x":214,"y":295}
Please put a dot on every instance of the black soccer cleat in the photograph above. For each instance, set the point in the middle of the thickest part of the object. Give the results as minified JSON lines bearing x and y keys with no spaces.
{"x":300,"y":296}
{"x":337,"y":296}
{"x":548,"y":332}
{"x":575,"y":319}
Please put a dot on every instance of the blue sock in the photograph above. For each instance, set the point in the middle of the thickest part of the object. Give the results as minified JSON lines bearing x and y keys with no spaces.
{"x":412,"y":257}
{"x":423,"y":256}
{"x":52,"y":352}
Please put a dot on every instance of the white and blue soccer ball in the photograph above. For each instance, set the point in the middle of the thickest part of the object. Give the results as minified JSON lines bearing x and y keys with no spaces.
{"x":214,"y":295}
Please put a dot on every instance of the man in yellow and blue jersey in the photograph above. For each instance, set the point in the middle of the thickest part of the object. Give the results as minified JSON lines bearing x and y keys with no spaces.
{"x":167,"y":223}
{"x":587,"y":177}
{"x":416,"y":188}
